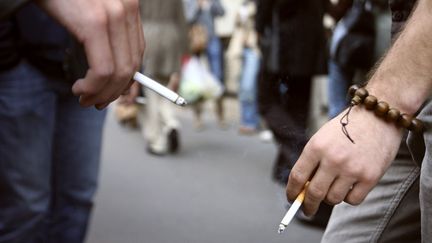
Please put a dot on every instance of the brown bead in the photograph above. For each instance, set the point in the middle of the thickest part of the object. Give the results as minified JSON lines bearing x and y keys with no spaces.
{"x":370,"y":102}
{"x":356,"y":100}
{"x":362,"y":93}
{"x":405,"y":121}
{"x":352,"y":89}
{"x":416,"y":126}
{"x":393,"y":115}
{"x":381,"y":109}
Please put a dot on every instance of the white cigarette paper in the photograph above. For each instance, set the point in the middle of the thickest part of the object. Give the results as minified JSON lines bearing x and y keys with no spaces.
{"x":292,"y":210}
{"x":159,"y":89}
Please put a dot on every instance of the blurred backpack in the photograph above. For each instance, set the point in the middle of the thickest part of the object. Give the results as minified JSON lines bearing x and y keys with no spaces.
{"x":353,"y":42}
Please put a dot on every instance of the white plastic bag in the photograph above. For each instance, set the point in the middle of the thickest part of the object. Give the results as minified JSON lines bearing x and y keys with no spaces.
{"x":197,"y":82}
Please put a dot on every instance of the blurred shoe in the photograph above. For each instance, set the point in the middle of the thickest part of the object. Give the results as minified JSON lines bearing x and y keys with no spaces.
{"x":266,"y":136}
{"x":173,"y":141}
{"x":155,"y":152}
{"x":248,"y":131}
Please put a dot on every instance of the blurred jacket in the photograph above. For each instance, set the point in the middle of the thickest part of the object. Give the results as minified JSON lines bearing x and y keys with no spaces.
{"x":165,"y":31}
{"x":29,"y":34}
{"x":9,"y":6}
{"x":244,"y":34}
{"x":292,"y":36}
{"x":195,"y":14}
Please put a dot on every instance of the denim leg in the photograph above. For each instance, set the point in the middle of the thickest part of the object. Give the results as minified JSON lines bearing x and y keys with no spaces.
{"x":214,"y":54}
{"x":339,"y":79}
{"x":248,"y":88}
{"x":27,"y":108}
{"x":77,"y":146}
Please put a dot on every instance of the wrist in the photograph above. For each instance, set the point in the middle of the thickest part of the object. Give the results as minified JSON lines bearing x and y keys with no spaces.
{"x":382,"y":109}
{"x":407,"y":100}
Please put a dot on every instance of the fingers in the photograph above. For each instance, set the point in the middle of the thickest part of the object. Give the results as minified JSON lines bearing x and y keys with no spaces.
{"x":99,"y":56}
{"x":114,"y":46}
{"x":133,"y":24}
{"x":317,"y":189}
{"x":302,"y":171}
{"x":339,"y":190}
{"x":358,"y":193}
{"x":120,"y":44}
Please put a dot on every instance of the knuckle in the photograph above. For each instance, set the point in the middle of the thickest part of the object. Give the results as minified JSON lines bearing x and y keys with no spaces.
{"x":336,"y":161}
{"x":315,"y":193}
{"x":296,"y":176}
{"x":334,"y":198}
{"x":315,"y":145}
{"x":99,"y":20}
{"x":117,"y":11}
{"x":353,"y":171}
{"x":124,"y":74}
{"x":368,"y":178}
{"x":355,"y":199}
{"x":104,"y":72}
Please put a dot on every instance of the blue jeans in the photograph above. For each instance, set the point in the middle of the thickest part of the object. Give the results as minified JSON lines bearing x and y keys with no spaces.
{"x":339,"y":80}
{"x":214,"y":54}
{"x":49,"y":159}
{"x":248,"y":88}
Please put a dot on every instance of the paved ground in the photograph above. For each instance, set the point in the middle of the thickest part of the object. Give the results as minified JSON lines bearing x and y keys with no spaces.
{"x":216,"y":190}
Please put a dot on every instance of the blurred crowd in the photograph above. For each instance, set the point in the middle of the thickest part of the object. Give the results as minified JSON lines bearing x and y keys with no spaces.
{"x":265,"y":55}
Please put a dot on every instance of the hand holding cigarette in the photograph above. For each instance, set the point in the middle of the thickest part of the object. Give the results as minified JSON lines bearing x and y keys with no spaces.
{"x":113,"y":39}
{"x":292,"y":210}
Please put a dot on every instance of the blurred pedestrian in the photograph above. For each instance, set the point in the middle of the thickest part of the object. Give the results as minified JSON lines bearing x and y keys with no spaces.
{"x":352,"y":50}
{"x":243,"y":48}
{"x":291,"y":40}
{"x":204,"y":13}
{"x":49,"y":145}
{"x":293,"y":45}
{"x":166,"y":37}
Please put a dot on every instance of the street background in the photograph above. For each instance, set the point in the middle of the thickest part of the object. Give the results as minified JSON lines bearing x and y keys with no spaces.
{"x":217,"y":189}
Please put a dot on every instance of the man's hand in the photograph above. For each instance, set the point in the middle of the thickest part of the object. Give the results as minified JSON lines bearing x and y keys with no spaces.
{"x":112,"y":35}
{"x":129,"y":97}
{"x":339,"y":170}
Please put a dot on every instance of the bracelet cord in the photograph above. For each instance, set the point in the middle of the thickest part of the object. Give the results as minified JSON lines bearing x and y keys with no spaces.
{"x":381,"y":109}
{"x":344,"y":121}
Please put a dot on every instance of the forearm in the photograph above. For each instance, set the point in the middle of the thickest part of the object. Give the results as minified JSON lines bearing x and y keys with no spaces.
{"x":9,"y":6}
{"x":404,"y":78}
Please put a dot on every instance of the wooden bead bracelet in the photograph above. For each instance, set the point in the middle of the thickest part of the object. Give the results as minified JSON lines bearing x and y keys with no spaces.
{"x":381,"y":109}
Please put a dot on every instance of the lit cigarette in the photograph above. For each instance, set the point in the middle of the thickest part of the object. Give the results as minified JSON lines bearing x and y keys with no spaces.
{"x":160,"y":89}
{"x":292,"y":210}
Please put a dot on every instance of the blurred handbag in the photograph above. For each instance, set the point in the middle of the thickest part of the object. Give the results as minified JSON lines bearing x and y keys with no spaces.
{"x":353,"y":43}
{"x":198,"y":83}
